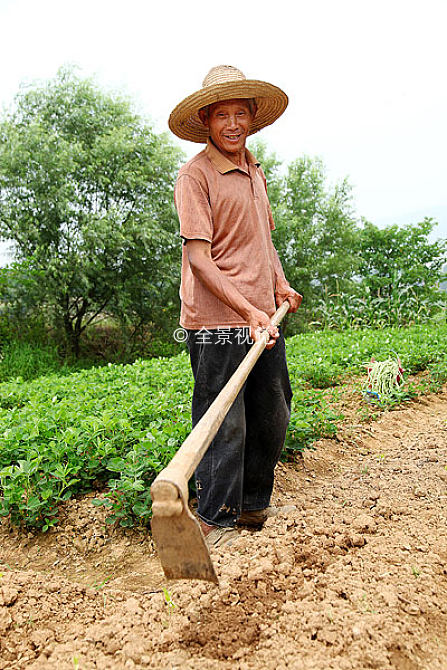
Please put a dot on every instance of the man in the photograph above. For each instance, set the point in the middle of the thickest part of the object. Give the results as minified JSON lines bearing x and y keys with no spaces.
{"x":232,"y":283}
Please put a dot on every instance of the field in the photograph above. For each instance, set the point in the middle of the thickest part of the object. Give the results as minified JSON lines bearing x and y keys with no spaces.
{"x":117,"y":426}
{"x":354,"y":578}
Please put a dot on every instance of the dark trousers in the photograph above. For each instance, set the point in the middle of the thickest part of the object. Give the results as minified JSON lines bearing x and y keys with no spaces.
{"x":237,"y":471}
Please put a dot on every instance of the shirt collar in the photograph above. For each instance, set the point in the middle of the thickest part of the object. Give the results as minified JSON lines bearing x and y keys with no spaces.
{"x":222,"y":163}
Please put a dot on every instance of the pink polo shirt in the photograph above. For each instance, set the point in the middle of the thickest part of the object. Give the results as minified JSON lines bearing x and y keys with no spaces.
{"x":220,"y":202}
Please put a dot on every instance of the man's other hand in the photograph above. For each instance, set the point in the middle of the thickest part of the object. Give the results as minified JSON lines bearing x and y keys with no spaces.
{"x":293,"y":297}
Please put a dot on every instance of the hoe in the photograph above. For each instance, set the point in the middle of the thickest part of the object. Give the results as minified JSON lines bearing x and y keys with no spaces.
{"x":180,"y":542}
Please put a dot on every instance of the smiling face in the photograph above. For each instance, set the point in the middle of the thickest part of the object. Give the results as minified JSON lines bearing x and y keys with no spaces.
{"x":229,"y":124}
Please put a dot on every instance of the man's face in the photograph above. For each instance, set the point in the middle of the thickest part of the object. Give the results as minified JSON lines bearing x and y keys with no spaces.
{"x":229,"y":124}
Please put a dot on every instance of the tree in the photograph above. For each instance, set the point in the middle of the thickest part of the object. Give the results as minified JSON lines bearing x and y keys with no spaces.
{"x":86,"y":196}
{"x":316,"y":230}
{"x":401,"y":266}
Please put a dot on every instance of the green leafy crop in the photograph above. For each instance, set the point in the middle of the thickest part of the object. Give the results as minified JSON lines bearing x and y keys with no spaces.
{"x":114,"y":428}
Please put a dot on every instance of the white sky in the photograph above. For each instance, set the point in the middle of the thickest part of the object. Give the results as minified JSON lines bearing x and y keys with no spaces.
{"x":366,"y":80}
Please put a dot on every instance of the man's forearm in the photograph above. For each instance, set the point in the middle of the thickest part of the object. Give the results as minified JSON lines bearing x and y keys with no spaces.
{"x":224,"y":289}
{"x":219,"y":285}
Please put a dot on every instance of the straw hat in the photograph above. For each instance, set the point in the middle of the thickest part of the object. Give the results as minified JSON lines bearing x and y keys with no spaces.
{"x":225,"y":82}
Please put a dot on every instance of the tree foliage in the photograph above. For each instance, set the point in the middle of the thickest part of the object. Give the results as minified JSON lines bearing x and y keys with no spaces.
{"x":394,"y":258}
{"x":316,"y":229}
{"x":86,"y":196}
{"x":351,"y":272}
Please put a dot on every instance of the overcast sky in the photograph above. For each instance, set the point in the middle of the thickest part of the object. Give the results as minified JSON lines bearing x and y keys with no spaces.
{"x":366,"y":80}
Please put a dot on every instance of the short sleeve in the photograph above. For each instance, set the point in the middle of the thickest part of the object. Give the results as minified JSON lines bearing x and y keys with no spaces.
{"x":193,"y":208}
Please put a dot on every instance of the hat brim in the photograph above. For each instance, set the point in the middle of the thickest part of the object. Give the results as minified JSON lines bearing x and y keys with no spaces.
{"x":271,"y":102}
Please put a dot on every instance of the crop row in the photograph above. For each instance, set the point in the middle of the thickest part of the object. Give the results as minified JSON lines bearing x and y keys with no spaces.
{"x":117,"y":426}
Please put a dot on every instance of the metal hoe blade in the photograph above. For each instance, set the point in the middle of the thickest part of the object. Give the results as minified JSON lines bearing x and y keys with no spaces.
{"x":182,"y":549}
{"x":180,"y":542}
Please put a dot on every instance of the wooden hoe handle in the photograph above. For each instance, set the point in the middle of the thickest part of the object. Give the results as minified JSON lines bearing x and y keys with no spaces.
{"x":171,"y":485}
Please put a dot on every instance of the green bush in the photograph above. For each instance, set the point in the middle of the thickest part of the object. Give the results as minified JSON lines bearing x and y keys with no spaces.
{"x":27,"y":360}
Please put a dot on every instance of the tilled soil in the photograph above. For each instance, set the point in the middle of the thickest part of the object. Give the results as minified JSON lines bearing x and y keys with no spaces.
{"x":355,"y":578}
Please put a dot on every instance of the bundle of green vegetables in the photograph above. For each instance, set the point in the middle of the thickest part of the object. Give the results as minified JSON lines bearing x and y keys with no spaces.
{"x":384,"y":377}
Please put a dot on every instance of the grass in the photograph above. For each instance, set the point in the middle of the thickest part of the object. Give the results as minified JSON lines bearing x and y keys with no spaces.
{"x":27,"y":360}
{"x":115,"y":427}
